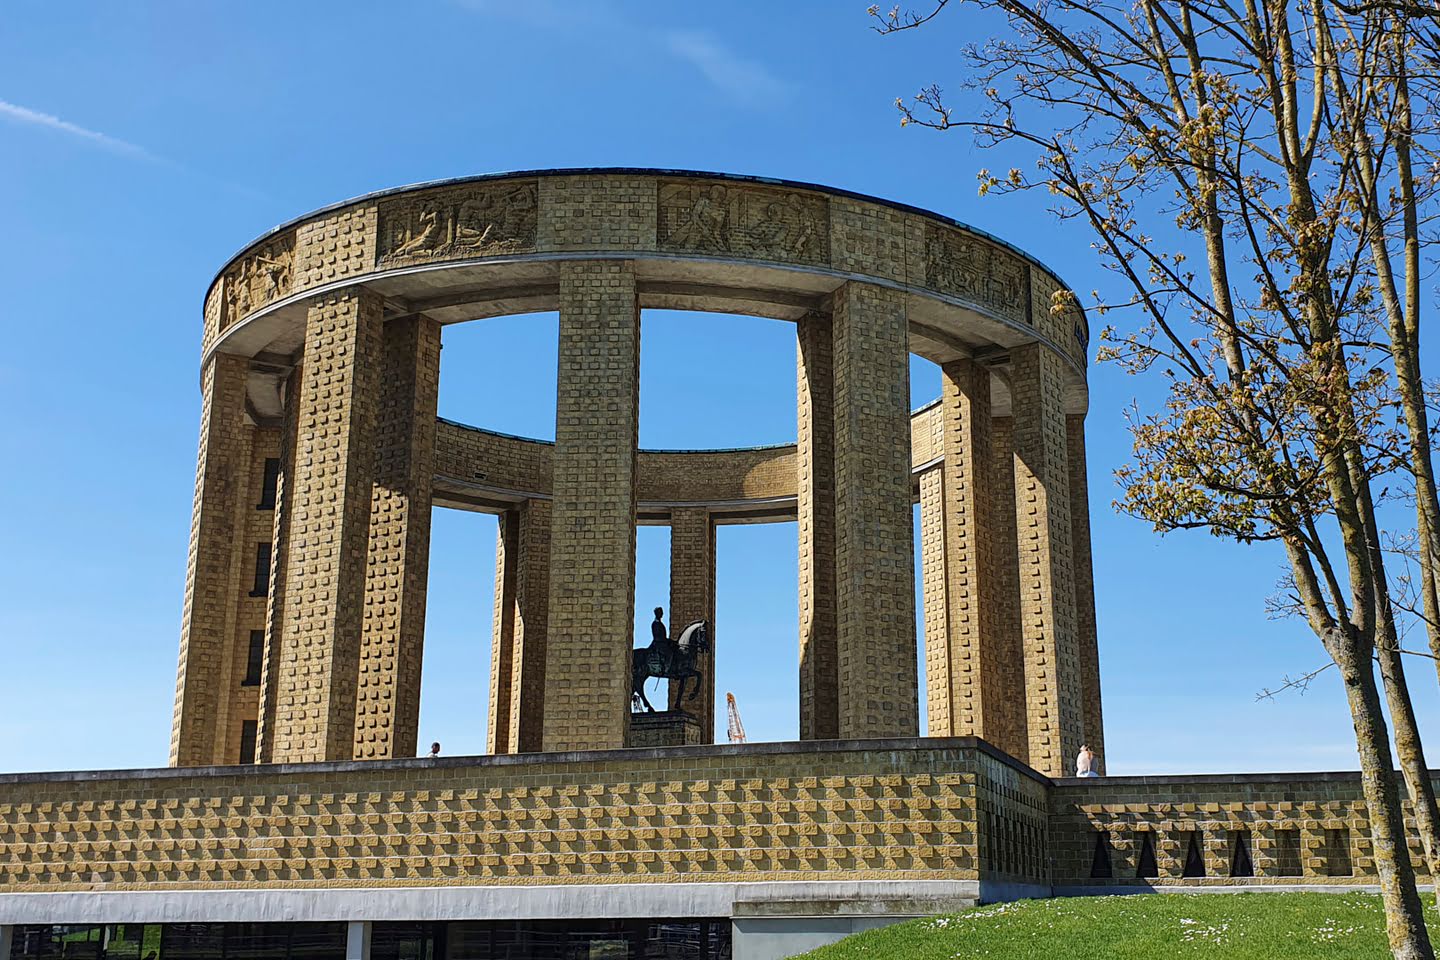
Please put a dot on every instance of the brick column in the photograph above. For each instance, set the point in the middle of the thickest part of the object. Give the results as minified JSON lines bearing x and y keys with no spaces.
{"x":815,"y":511}
{"x":279,"y":550}
{"x":1015,"y":739}
{"x":939,"y":686}
{"x":387,"y":707}
{"x":1085,"y":626}
{"x":531,"y":616}
{"x":874,"y":543}
{"x":592,"y":566}
{"x":517,"y":661}
{"x":1043,"y":532}
{"x":212,"y":579}
{"x":319,"y":648}
{"x":502,"y":637}
{"x":966,"y":648}
{"x":692,"y":597}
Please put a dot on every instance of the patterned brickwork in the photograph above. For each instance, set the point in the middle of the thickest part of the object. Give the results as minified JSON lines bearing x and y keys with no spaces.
{"x":1057,"y":317}
{"x":272,"y":663}
{"x":1007,"y":585}
{"x":1012,"y":822}
{"x":866,"y":238}
{"x":502,"y":637}
{"x":1322,"y":816}
{"x":934,"y":604}
{"x":531,"y":614}
{"x":595,"y":212}
{"x":815,"y":510}
{"x":257,"y":523}
{"x":387,"y":699}
{"x":221,"y":478}
{"x":874,"y":548}
{"x":692,"y":597}
{"x":665,"y":728}
{"x":335,"y":247}
{"x":972,"y":640}
{"x":592,"y":570}
{"x":329,"y":529}
{"x":1085,"y":626}
{"x":1047,"y":590}
{"x":703,"y":814}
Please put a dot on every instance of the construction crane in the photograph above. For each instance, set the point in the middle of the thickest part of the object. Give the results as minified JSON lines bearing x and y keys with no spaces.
{"x":735,"y":729}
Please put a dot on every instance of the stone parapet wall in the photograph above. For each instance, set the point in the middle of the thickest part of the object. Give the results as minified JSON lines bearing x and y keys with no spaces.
{"x":837,"y":811}
{"x":1297,"y":829}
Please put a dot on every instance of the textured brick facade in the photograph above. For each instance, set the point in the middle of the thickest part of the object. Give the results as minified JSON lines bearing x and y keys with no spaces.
{"x":942,"y":809}
{"x":1085,"y":626}
{"x":874,"y":535}
{"x":592,"y":533}
{"x":692,"y":597}
{"x":387,"y":708}
{"x":319,"y":650}
{"x":329,"y":329}
{"x":700,"y":814}
{"x":973,"y":650}
{"x":216,"y":555}
{"x":815,"y":511}
{"x":1047,"y":589}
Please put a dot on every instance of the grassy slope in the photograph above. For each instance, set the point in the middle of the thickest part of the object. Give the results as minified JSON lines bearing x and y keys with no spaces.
{"x":1263,"y":926}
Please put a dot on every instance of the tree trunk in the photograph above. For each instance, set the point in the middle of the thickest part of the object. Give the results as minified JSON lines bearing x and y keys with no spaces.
{"x":1411,"y":754}
{"x":1404,"y":916}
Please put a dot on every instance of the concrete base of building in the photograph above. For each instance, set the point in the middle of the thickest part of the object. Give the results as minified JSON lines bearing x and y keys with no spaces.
{"x":770,"y":921}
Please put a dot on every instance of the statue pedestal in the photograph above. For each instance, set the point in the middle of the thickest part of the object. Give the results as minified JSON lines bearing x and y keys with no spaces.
{"x":664,"y":728}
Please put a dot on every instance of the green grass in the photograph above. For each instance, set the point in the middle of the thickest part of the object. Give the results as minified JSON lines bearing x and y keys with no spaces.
{"x":1255,"y":926}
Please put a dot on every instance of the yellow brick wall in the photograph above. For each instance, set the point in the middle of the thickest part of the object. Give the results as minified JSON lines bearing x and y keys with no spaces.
{"x":387,"y":708}
{"x":597,"y":818}
{"x":592,"y":526}
{"x":874,"y":549}
{"x":319,"y":648}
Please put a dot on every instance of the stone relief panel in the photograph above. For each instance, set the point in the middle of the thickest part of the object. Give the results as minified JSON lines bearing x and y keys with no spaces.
{"x":969,"y":267}
{"x":263,"y":275}
{"x":768,"y":224}
{"x":474,"y":220}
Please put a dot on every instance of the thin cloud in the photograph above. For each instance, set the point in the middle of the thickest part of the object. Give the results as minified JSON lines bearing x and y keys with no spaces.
{"x":35,"y":118}
{"x":724,"y":68}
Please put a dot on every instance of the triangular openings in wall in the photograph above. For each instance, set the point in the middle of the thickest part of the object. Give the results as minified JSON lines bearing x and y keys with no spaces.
{"x":1194,"y":858}
{"x":1145,"y":866}
{"x":1240,"y":863}
{"x":1100,"y":859}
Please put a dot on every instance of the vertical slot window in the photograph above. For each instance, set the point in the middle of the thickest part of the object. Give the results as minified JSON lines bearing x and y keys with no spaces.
{"x":248,"y":731}
{"x":262,"y":571}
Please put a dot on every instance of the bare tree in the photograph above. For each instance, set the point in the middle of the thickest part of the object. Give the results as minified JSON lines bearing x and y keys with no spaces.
{"x":1262,"y":177}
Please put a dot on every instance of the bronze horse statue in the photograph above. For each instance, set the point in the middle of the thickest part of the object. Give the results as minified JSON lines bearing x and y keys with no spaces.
{"x":670,"y":660}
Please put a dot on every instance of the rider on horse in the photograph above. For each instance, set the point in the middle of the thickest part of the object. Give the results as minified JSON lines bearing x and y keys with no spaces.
{"x":659,"y":641}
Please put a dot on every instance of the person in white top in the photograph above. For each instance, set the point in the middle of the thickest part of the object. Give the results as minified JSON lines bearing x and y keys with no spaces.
{"x":1085,"y":762}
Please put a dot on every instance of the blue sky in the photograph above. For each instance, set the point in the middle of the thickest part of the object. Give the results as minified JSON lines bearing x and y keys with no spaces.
{"x":142,"y":143}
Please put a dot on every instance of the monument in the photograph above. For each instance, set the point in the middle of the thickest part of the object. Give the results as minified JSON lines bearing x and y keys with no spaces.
{"x":295,"y":818}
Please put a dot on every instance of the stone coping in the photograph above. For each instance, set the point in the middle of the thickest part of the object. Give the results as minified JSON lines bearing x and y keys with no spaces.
{"x":636,"y":755}
{"x":1168,"y":780}
{"x":639,"y":171}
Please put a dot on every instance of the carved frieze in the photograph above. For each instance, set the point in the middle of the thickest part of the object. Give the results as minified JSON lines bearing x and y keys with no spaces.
{"x":474,"y":220}
{"x":263,"y":275}
{"x":743,"y":220}
{"x":966,"y":266}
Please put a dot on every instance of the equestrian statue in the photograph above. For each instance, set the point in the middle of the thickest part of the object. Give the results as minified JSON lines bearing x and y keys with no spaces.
{"x":668,"y":659}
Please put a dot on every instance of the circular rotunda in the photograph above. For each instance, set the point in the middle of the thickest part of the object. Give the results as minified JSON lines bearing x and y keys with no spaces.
{"x":322,"y":456}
